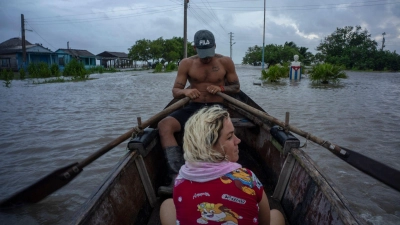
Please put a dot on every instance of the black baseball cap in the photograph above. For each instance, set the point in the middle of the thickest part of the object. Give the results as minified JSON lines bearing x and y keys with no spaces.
{"x":205,"y":43}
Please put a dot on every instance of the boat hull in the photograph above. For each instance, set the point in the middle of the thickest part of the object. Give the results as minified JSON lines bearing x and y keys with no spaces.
{"x":295,"y":184}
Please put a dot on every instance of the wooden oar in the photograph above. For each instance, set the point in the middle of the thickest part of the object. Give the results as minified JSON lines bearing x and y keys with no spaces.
{"x":378,"y":170}
{"x":63,"y":176}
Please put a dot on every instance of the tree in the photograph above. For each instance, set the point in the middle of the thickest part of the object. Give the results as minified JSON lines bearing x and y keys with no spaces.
{"x":274,"y":54}
{"x":253,"y":55}
{"x":349,"y":46}
{"x":291,"y":45}
{"x":140,"y":50}
{"x":171,"y":49}
{"x":305,"y":56}
{"x":160,"y":50}
{"x":179,"y":48}
{"x":156,"y":49}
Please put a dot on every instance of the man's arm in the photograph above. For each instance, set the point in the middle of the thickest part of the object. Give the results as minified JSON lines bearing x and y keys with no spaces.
{"x":232,"y":79}
{"x":178,"y":90}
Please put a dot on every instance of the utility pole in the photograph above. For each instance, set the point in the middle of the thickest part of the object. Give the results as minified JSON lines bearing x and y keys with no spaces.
{"x":230,"y":42}
{"x":185,"y":5}
{"x":23,"y":40}
{"x":383,"y":40}
{"x":262,"y":63}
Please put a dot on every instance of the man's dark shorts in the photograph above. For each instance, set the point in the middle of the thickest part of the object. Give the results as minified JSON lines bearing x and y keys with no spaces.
{"x":182,"y":115}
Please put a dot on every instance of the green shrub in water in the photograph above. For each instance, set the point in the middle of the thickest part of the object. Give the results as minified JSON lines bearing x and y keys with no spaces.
{"x":22,"y":74}
{"x":39,"y":70}
{"x":44,"y":70}
{"x":326,"y":72}
{"x":274,"y":73}
{"x":55,"y":70}
{"x":158,"y":68}
{"x":96,"y":69}
{"x":76,"y":70}
{"x":33,"y":70}
{"x":7,"y":76}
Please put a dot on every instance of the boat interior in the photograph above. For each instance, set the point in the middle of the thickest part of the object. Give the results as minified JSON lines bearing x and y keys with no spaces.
{"x":293,"y":183}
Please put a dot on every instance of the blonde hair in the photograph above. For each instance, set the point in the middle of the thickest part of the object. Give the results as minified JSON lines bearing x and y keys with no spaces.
{"x":202,"y":132}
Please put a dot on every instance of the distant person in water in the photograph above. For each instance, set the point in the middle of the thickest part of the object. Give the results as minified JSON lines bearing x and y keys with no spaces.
{"x":207,"y":74}
{"x":211,"y":186}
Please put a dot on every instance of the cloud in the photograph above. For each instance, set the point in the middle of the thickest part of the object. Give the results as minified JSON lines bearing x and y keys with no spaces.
{"x":98,"y":25}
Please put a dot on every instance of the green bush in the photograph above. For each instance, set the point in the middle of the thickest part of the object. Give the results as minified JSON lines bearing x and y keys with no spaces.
{"x":7,"y":76}
{"x":326,"y":72}
{"x":171,"y":67}
{"x":111,"y":70}
{"x":33,"y":70}
{"x":274,"y":73}
{"x":55,"y":70}
{"x":76,"y":70}
{"x":39,"y":70}
{"x":158,"y":68}
{"x":44,"y":70}
{"x":96,"y":69}
{"x":22,"y":74}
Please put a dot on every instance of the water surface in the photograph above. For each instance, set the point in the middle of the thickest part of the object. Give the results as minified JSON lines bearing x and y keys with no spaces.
{"x":44,"y":127}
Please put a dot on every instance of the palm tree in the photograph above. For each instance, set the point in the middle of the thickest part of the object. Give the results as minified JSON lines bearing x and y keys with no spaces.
{"x":326,"y":72}
{"x":274,"y":73}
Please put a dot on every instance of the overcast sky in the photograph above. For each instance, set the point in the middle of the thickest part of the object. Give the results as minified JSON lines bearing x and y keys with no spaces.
{"x":103,"y":25}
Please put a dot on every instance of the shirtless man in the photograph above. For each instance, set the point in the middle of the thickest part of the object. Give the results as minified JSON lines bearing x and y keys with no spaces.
{"x":207,"y":73}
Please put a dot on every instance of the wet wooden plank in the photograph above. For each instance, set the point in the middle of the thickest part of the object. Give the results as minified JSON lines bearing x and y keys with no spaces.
{"x":311,"y":198}
{"x":155,"y":215}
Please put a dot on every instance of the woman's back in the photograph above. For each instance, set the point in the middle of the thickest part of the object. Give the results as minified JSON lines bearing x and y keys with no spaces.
{"x":230,"y":199}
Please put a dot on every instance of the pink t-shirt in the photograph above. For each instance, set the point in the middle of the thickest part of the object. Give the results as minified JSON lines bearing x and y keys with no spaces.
{"x":231,"y":199}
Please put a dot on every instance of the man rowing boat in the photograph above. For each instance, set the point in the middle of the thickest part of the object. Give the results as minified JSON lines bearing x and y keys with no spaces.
{"x":207,"y":73}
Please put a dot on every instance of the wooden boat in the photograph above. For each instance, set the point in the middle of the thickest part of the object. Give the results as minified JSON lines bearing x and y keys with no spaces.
{"x":294,"y":183}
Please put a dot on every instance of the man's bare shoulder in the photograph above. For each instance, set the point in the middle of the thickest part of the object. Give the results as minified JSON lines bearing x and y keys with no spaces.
{"x":193,"y":57}
{"x":224,"y":59}
{"x":187,"y":61}
{"x":219,"y":56}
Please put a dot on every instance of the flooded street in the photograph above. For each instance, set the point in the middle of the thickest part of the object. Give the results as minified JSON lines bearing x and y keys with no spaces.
{"x":48,"y":126}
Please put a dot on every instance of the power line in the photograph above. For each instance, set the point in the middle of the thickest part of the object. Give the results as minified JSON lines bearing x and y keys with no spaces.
{"x":337,"y":4}
{"x":101,"y":19}
{"x":40,"y":35}
{"x":204,"y":21}
{"x":215,"y":16}
{"x":198,"y":17}
{"x":304,"y":7}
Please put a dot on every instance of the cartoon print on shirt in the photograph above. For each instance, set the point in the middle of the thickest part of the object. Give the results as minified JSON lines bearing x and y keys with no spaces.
{"x":256,"y":181}
{"x":242,"y":180}
{"x":218,"y":213}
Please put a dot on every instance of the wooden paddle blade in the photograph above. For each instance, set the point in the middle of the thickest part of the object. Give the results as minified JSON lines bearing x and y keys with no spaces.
{"x":43,"y":187}
{"x":378,"y":170}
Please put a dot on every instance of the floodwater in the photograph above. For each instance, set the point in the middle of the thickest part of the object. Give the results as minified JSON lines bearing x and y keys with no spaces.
{"x":48,"y":126}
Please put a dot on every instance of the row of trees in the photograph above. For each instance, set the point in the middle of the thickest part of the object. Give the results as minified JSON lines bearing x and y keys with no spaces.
{"x":274,"y":54}
{"x":350,"y":47}
{"x":164,"y":50}
{"x":353,"y":48}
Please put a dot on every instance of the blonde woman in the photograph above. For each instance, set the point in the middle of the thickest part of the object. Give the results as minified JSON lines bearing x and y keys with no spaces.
{"x":211,"y":188}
